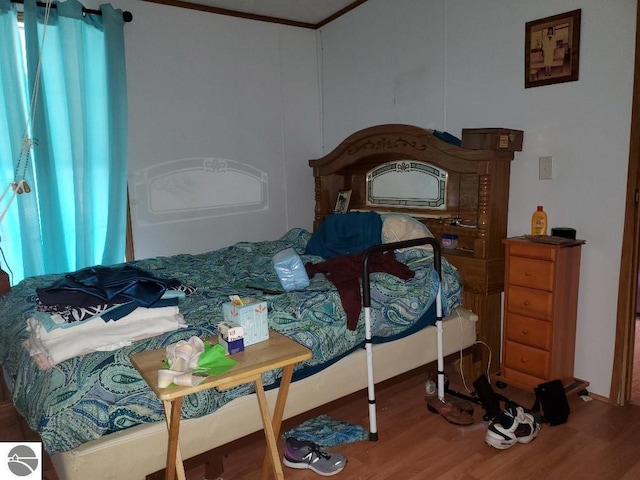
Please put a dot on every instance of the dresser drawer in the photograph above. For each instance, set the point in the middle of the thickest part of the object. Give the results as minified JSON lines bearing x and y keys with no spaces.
{"x":530,"y":302}
{"x":526,"y":359}
{"x":528,"y":331}
{"x":532,"y":250}
{"x":520,"y":379}
{"x":529,"y":272}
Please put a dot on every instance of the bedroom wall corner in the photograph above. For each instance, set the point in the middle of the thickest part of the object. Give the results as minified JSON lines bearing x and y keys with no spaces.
{"x":302,"y":140}
{"x":223,"y":116}
{"x":383,"y":63}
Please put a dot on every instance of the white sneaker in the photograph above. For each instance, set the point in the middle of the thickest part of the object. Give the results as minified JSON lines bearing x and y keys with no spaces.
{"x":512,"y":426}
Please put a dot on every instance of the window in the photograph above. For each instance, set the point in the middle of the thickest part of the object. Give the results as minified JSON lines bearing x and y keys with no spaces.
{"x":76,"y":216}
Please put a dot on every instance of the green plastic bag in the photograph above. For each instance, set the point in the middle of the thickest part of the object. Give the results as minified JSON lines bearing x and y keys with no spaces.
{"x":214,"y":360}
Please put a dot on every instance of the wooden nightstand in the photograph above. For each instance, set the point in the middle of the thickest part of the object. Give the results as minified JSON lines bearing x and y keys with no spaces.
{"x":540,"y":310}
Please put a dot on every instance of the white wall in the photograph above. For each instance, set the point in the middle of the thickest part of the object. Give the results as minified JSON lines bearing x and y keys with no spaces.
{"x":205,"y":86}
{"x":383,"y":62}
{"x":453,"y":64}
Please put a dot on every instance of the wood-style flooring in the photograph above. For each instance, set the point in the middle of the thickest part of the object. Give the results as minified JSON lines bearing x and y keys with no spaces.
{"x":600,"y":441}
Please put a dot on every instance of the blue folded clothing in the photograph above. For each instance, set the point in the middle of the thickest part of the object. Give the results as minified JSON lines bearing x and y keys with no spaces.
{"x":345,"y":234}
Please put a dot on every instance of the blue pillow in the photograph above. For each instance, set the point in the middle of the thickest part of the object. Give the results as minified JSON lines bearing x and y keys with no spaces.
{"x":345,"y":234}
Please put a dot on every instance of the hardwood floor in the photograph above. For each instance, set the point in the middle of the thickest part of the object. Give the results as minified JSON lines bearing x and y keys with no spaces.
{"x":600,"y":441}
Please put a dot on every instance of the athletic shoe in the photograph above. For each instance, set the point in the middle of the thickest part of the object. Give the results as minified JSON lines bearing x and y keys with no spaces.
{"x":302,"y":454}
{"x":512,"y":425}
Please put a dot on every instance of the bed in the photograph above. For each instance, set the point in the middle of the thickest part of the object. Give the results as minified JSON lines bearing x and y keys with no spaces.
{"x":95,"y":410}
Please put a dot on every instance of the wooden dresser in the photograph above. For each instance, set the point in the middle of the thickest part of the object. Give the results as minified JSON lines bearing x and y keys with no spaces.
{"x":540,"y":310}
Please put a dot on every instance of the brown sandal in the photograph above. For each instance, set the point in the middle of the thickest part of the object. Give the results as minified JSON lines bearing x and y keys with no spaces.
{"x":451,"y":413}
{"x":462,"y":404}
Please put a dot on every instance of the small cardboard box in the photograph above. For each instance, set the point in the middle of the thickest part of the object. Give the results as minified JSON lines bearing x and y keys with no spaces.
{"x":231,"y":346}
{"x":231,"y":337}
{"x":252,"y":315}
{"x":230,"y":330}
{"x":492,"y":139}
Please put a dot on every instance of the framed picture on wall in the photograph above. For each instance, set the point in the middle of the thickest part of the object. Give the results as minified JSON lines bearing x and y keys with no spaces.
{"x":342,"y":202}
{"x":552,"y":49}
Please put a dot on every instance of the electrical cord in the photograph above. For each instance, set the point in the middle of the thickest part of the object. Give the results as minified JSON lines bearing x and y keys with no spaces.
{"x":477,"y":342}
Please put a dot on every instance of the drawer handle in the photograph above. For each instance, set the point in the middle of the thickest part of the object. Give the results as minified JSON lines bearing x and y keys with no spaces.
{"x":524,"y":360}
{"x":526,"y":303}
{"x":527,"y":274}
{"x":525,"y":331}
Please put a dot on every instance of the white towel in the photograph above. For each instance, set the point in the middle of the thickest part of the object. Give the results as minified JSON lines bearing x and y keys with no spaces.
{"x":51,"y":348}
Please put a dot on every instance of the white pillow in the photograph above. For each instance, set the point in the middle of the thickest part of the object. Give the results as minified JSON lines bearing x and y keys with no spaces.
{"x":399,"y":227}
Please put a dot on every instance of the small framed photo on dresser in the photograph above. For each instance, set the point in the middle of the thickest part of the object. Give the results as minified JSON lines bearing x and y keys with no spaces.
{"x":342,"y":202}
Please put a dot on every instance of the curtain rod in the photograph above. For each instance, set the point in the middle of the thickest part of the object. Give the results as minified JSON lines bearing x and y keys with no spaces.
{"x":126,"y":16}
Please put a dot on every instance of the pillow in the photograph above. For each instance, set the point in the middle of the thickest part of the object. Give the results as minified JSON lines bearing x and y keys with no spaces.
{"x":399,"y":227}
{"x":345,"y":234}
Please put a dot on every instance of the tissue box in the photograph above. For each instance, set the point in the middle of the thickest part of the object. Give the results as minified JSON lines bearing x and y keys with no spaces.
{"x":252,"y":316}
{"x":231,"y":337}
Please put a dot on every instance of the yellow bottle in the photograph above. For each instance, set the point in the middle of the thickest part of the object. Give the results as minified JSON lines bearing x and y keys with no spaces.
{"x":539,"y":222}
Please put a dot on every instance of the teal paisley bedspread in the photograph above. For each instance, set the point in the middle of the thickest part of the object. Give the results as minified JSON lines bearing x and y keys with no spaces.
{"x":84,"y":398}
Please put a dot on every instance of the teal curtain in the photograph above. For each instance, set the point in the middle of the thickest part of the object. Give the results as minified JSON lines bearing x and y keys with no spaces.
{"x":76,"y":214}
{"x":13,"y":118}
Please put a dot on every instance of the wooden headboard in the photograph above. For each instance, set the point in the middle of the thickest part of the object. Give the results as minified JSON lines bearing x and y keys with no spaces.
{"x":476,"y":206}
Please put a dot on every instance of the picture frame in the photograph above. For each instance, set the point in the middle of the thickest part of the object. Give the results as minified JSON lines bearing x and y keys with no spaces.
{"x":342,"y":202}
{"x":552,"y":49}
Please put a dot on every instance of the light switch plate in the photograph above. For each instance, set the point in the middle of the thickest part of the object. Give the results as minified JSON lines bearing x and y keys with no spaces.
{"x":545,"y":168}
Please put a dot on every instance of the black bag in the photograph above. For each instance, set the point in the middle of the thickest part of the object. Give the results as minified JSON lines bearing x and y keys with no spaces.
{"x":489,"y":400}
{"x":551,"y":400}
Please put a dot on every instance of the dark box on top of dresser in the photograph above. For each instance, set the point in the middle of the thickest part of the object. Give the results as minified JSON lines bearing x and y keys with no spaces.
{"x":492,"y":139}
